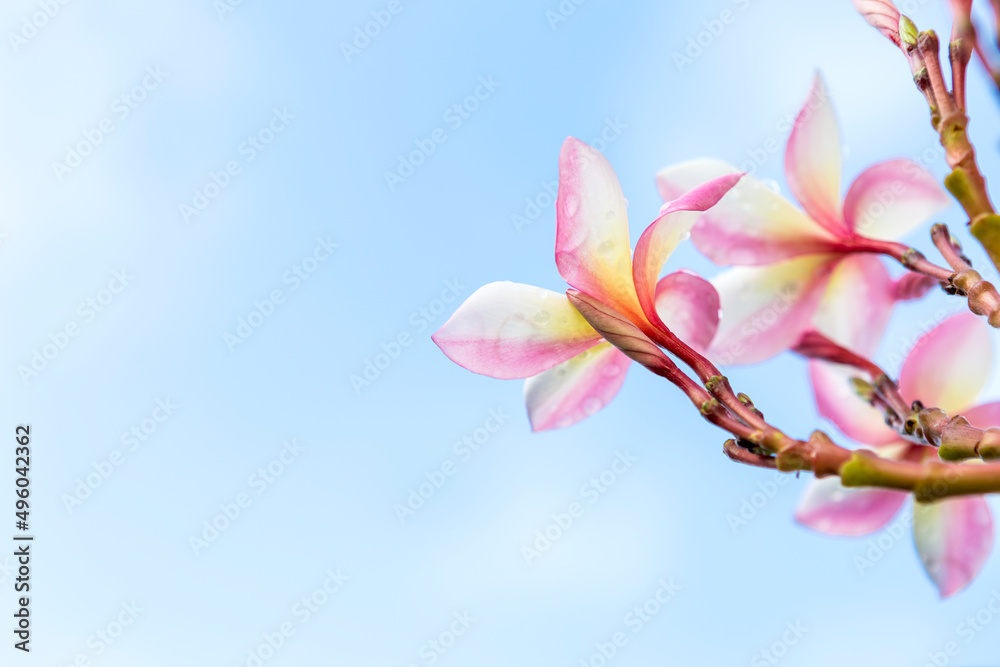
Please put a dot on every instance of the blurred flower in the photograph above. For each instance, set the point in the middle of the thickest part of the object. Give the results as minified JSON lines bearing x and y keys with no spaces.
{"x":947,"y":368}
{"x":881,"y":15}
{"x":796,"y":269}
{"x":509,"y":330}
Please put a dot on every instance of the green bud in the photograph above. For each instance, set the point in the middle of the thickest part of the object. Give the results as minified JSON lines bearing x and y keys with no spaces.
{"x":709,"y":406}
{"x":862,"y":388}
{"x":907,"y":30}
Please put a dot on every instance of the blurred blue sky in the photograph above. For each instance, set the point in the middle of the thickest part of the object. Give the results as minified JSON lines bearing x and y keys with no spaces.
{"x":271,"y":204}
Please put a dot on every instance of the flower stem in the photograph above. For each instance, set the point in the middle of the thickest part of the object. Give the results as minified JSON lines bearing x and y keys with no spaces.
{"x":911,"y":258}
{"x":948,"y":116}
{"x":954,"y":437}
{"x":960,"y":279}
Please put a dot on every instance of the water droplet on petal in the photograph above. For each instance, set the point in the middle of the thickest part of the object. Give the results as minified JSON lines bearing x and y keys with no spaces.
{"x":610,"y":215}
{"x":772,"y":185}
{"x":572,"y":204}
{"x":592,"y":405}
{"x":611,"y":370}
{"x":837,"y":496}
{"x":606,"y":247}
{"x":542,"y":316}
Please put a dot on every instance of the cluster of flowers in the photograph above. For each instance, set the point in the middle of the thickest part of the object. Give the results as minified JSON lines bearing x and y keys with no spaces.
{"x":796,"y":273}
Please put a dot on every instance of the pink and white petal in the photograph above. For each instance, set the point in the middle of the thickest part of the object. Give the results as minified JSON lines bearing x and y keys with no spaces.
{"x":813,"y":162}
{"x":751,"y":224}
{"x":831,"y":508}
{"x":881,"y":15}
{"x":891,"y":199}
{"x":836,"y":401}
{"x":954,"y":538}
{"x":950,"y":365}
{"x":509,"y":330}
{"x":689,"y":306}
{"x":662,"y":237}
{"x":575,"y":389}
{"x":984,"y":416}
{"x":766,"y":309}
{"x":857,"y":304}
{"x":593,"y":252}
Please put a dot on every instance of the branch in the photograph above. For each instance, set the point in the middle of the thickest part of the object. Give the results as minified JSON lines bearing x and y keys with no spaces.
{"x":954,"y":437}
{"x":960,"y":279}
{"x":765,"y":444}
{"x":713,"y":379}
{"x":983,"y":296}
{"x":742,"y":455}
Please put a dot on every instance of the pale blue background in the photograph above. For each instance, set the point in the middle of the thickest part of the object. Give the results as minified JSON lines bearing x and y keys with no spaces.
{"x":333,"y":507}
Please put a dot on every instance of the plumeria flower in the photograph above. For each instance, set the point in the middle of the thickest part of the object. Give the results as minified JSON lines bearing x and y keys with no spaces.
{"x":793,"y":264}
{"x":509,"y":330}
{"x":952,"y":536}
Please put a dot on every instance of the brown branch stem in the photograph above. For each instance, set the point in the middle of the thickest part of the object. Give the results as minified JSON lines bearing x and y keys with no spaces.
{"x":954,"y":437}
